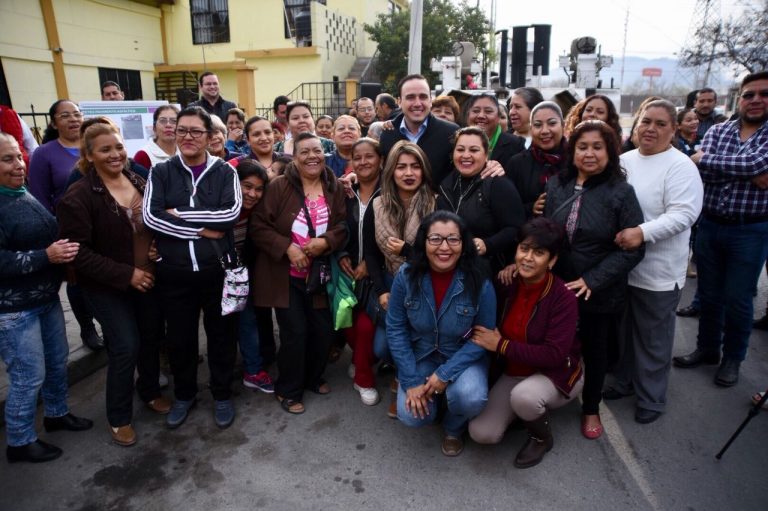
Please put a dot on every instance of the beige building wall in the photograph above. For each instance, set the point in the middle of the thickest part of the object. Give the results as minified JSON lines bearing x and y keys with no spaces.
{"x":92,"y":34}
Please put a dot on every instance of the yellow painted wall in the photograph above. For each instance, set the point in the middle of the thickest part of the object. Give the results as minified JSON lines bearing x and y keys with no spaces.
{"x":30,"y":82}
{"x":93,"y":33}
{"x":253,"y":25}
{"x":276,"y":76}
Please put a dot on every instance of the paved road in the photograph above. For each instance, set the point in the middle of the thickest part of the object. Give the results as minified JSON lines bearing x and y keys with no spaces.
{"x":343,"y":455}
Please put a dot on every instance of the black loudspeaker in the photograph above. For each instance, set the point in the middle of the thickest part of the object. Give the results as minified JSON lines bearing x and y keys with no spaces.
{"x":541,"y":34}
{"x":519,"y":56}
{"x":370,"y":90}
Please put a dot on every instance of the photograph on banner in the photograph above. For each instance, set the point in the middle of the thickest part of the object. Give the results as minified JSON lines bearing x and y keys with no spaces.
{"x":134,"y":118}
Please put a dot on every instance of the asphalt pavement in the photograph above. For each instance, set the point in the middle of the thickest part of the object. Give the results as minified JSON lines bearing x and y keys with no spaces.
{"x":341,"y":454}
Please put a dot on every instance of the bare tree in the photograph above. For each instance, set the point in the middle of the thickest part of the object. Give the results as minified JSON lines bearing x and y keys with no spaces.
{"x":738,"y":41}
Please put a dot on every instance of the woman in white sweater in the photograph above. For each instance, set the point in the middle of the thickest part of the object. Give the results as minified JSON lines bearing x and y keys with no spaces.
{"x":670,"y":191}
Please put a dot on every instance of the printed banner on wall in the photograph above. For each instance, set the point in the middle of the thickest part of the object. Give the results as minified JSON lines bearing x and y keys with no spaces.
{"x":134,"y":118}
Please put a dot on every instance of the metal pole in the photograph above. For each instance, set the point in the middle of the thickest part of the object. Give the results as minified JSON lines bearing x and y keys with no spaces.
{"x":414,"y":37}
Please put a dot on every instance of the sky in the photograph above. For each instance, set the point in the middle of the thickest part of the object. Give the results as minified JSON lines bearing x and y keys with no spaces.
{"x":656,"y":28}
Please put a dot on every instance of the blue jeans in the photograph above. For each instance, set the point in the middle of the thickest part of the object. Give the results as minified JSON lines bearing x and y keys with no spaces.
{"x":33,"y":345}
{"x":466,"y":396}
{"x":730,"y":258}
{"x":250,"y":349}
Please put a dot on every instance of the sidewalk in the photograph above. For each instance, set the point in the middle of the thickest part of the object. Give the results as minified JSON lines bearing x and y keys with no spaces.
{"x":82,"y":361}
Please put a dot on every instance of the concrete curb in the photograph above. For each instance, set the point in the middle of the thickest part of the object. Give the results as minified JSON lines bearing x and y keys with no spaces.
{"x":82,"y":363}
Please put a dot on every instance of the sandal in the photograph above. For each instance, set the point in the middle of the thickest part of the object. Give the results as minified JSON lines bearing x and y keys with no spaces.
{"x":291,"y":405}
{"x":321,"y":387}
{"x":756,"y":399}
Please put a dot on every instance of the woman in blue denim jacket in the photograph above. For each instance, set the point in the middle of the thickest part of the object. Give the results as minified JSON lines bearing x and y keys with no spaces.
{"x":435,"y":301}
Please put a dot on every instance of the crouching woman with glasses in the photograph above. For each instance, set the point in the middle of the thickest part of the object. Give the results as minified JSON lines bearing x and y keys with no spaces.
{"x":436,"y":300}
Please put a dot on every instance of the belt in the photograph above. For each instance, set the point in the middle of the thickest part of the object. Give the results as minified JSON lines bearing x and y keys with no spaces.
{"x":736,"y":220}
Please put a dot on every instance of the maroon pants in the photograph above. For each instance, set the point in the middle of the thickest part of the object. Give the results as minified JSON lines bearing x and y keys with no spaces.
{"x":360,"y":339}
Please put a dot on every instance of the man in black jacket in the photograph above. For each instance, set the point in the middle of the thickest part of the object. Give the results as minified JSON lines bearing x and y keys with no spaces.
{"x":434,"y":136}
{"x":210,"y":97}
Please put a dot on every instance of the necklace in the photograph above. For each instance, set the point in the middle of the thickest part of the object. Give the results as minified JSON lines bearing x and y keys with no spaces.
{"x":312,"y":203}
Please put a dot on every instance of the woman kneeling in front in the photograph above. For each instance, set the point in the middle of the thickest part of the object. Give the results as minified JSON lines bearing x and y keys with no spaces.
{"x":539,"y":346}
{"x":436,"y":299}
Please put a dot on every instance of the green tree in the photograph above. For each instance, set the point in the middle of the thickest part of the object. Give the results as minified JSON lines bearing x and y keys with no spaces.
{"x":443,"y":24}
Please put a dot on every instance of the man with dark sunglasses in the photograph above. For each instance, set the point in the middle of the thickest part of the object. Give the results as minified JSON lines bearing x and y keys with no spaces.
{"x":732,"y":238}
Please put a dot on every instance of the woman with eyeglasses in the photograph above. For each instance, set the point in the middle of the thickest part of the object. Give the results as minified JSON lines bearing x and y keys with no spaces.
{"x":436,"y":300}
{"x":52,"y":162}
{"x":163,"y":144}
{"x":217,"y":144}
{"x":192,"y":201}
{"x":300,"y":120}
{"x":49,"y":171}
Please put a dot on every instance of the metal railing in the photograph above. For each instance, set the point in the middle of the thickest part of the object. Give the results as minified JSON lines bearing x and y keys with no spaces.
{"x":370,"y":73}
{"x":37,"y":126}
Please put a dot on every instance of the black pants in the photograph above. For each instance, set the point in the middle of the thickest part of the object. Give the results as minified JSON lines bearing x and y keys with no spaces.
{"x":597,"y":333}
{"x":185,"y":294}
{"x":266,"y":330}
{"x":131,"y":325}
{"x":306,"y":335}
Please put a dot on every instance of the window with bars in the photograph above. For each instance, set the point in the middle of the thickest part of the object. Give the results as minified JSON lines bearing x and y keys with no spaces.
{"x":210,"y":21}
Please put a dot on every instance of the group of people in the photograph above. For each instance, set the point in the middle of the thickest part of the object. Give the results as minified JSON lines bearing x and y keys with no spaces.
{"x":502,"y":268}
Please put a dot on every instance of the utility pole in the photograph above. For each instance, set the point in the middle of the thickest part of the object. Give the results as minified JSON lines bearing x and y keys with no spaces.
{"x":414,"y":37}
{"x":624,"y":48}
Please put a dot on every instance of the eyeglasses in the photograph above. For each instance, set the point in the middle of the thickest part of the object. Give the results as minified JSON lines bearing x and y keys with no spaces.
{"x":164,"y":121}
{"x":69,"y":115}
{"x":436,"y":240}
{"x":366,"y":109}
{"x":749,"y":95}
{"x":183,"y":132}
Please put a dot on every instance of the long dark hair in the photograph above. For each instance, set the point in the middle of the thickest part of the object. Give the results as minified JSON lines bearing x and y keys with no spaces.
{"x":468,"y":260}
{"x":613,"y":171}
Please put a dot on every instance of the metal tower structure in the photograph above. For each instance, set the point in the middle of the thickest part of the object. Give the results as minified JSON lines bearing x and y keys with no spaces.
{"x":705,"y":14}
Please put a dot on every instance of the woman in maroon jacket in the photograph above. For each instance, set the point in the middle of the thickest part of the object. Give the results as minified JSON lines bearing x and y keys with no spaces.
{"x":537,"y":340}
{"x":103,"y":212}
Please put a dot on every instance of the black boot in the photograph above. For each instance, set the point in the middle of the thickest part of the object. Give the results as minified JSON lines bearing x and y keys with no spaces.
{"x":538,"y":444}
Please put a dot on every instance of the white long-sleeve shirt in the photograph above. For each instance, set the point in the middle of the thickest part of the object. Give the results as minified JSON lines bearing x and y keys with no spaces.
{"x":670,"y":192}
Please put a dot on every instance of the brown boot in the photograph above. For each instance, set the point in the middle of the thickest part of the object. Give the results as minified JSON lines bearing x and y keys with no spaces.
{"x":538,"y":444}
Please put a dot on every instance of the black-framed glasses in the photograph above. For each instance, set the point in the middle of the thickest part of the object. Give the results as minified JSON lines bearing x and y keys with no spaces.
{"x":436,"y":240}
{"x":183,"y":132}
{"x":750,"y":95}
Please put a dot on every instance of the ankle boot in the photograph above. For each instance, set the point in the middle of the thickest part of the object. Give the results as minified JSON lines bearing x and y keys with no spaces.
{"x":538,"y":444}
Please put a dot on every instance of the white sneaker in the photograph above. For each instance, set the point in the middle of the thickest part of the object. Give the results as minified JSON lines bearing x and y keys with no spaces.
{"x":369,"y":396}
{"x":351,"y":371}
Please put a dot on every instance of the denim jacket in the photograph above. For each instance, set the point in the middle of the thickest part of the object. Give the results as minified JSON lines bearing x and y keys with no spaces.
{"x":415,"y":330}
